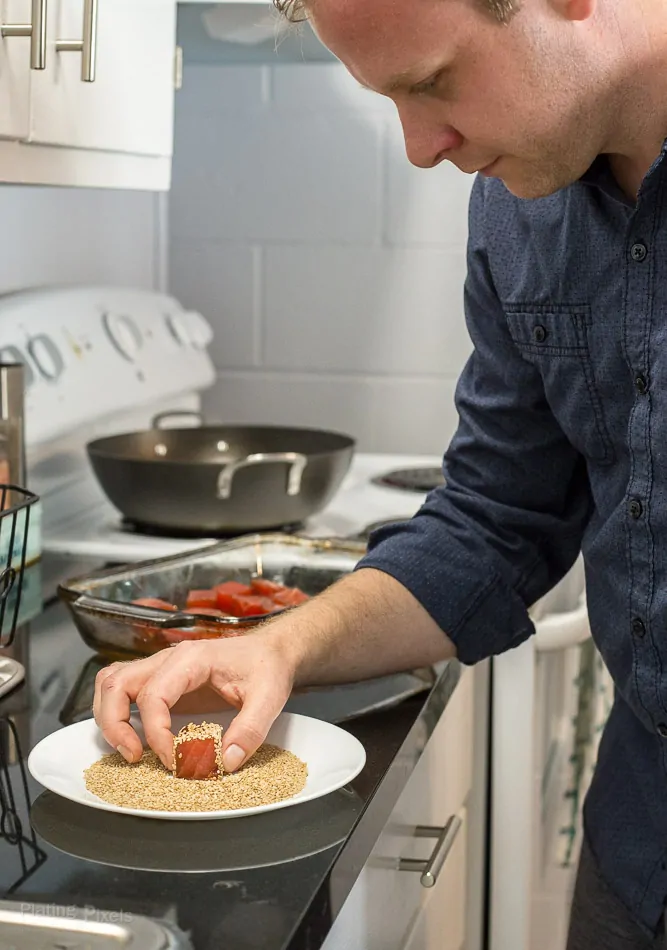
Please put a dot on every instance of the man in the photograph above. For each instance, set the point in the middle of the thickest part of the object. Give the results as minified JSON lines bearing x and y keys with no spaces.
{"x":562,"y":442}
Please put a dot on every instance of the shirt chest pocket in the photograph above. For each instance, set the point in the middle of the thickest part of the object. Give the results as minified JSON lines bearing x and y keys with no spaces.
{"x":554,"y":338}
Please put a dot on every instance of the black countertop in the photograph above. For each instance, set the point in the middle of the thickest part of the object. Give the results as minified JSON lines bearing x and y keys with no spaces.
{"x":275,"y":881}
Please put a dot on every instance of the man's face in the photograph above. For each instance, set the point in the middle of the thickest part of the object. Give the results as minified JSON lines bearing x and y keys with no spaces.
{"x":521,"y":101}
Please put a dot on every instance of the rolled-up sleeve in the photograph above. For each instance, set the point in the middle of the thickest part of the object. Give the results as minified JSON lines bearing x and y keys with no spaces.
{"x":509,"y":521}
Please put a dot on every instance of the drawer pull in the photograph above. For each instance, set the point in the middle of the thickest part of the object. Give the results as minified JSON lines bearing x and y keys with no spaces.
{"x":431,"y":867}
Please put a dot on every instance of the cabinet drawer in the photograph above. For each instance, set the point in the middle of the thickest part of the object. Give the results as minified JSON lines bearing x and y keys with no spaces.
{"x":385,"y":902}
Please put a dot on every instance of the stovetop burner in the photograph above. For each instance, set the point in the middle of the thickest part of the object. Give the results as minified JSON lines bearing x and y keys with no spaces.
{"x":151,"y":531}
{"x":412,"y":479}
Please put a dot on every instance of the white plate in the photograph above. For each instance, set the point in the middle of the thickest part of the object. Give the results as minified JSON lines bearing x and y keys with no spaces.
{"x":333,"y":757}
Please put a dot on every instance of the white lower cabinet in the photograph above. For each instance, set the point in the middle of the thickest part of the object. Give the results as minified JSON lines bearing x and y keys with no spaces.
{"x":389,"y":908}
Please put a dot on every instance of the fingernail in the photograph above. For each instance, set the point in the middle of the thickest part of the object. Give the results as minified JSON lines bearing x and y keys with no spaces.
{"x":232,"y":758}
{"x":125,"y":752}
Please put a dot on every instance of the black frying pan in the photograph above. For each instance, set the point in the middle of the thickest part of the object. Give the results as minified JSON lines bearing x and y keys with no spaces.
{"x":220,"y":480}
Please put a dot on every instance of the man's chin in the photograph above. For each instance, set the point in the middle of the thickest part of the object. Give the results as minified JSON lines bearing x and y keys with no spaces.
{"x":525,"y":186}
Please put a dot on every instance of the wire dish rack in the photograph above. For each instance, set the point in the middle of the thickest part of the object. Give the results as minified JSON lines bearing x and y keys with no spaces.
{"x":15,"y":509}
{"x":20,"y":854}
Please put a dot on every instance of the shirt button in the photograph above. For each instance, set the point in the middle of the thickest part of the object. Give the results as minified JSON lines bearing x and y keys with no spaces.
{"x":662,"y":729}
{"x":539,"y":333}
{"x":635,"y":508}
{"x":638,"y":252}
{"x":638,"y":627}
{"x":641,"y":384}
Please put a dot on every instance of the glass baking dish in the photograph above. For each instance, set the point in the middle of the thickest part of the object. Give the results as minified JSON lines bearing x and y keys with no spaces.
{"x":108,"y":621}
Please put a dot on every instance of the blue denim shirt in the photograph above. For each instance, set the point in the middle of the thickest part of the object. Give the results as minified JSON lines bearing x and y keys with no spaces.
{"x":562,"y":447}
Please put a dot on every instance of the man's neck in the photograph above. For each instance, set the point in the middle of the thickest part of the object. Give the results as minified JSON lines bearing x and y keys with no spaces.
{"x":630,"y":172}
{"x":640,"y":108}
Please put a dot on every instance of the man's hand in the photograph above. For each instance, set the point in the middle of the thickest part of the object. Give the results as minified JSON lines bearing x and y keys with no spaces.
{"x":250,"y":673}
{"x":365,"y":625}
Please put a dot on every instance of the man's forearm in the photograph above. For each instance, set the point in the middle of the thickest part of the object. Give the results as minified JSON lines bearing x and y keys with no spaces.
{"x":365,"y":625}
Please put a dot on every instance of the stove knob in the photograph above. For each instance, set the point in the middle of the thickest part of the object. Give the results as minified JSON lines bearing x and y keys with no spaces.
{"x":178,"y":329}
{"x":124,"y":334}
{"x":199,"y":329}
{"x":46,"y":356}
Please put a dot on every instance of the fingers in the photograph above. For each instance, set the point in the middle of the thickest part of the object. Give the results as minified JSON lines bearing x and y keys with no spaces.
{"x":186,"y":668}
{"x":248,"y":673}
{"x":262,"y":702}
{"x":116,"y":687}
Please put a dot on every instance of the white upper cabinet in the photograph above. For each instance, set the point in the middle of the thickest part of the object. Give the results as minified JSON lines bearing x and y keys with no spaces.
{"x":129,"y":106}
{"x":14,"y":71}
{"x":100,"y":112}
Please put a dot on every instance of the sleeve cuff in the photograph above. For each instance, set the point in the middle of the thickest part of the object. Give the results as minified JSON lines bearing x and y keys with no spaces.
{"x":465,"y":595}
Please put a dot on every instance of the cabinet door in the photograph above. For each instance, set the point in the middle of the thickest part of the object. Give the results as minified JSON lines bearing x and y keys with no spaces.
{"x":14,"y":71}
{"x":129,"y":107}
{"x":386,"y":905}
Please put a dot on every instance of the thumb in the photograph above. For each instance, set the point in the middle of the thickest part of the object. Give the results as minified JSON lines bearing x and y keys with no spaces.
{"x":250,"y":727}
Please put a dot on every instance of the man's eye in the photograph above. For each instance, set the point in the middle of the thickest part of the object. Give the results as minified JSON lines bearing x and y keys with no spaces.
{"x":429,"y":85}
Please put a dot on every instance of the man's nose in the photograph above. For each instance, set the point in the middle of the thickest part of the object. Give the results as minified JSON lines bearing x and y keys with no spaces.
{"x":427,"y":141}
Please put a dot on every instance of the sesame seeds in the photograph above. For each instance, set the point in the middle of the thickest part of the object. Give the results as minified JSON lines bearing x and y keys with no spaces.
{"x":270,"y":776}
{"x":198,"y":751}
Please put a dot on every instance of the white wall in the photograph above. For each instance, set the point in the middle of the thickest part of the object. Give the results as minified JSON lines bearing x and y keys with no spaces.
{"x":67,"y":235}
{"x":331,"y":269}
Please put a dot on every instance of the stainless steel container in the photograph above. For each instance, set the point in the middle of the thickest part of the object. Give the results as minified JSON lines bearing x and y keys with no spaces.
{"x":12,"y":425}
{"x":34,"y":926}
{"x":12,"y":472}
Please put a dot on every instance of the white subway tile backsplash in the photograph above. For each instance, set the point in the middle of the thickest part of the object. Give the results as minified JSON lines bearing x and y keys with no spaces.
{"x":384,"y":415}
{"x":209,"y":90}
{"x":367,"y":310}
{"x":278,"y":177}
{"x":69,"y":235}
{"x":324,"y":86}
{"x":219,"y":280}
{"x":331,"y":268}
{"x":343,"y":405}
{"x":427,"y":206}
{"x":413,"y":415}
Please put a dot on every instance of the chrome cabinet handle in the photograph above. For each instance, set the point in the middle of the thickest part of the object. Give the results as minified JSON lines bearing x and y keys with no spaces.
{"x":431,"y":867}
{"x":36,"y":30}
{"x":297,"y":464}
{"x":86,"y":46}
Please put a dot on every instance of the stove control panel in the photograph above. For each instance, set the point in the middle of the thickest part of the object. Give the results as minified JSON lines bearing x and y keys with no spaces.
{"x":90,"y":352}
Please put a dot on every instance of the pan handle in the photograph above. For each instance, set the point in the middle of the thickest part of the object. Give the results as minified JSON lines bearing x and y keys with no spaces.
{"x":151,"y":616}
{"x":297,"y":463}
{"x":176,"y":414}
{"x":164,"y":619}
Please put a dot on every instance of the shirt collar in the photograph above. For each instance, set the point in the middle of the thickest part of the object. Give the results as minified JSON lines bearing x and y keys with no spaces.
{"x":600,"y":175}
